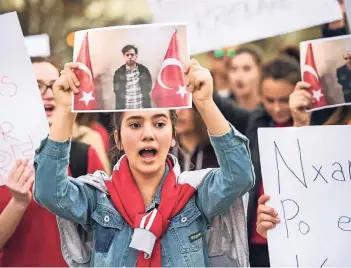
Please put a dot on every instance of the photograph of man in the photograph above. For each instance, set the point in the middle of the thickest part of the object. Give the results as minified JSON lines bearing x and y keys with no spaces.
{"x":344,"y":76}
{"x":132,"y":82}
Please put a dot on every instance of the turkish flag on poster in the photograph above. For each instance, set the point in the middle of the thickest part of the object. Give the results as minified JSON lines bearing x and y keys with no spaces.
{"x":310,"y":75}
{"x":170,"y":90}
{"x":86,"y":99}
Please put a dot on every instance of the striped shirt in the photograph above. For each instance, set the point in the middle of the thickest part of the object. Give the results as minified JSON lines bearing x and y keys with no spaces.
{"x":134,"y":97}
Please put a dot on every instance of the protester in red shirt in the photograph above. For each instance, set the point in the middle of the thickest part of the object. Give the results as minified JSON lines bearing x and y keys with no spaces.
{"x":29,"y":234}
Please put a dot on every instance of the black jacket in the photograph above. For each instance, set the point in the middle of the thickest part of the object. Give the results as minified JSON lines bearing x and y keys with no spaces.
{"x":344,"y":79}
{"x":203,"y":157}
{"x":235,"y":115}
{"x":258,"y":119}
{"x":78,"y":158}
{"x":120,"y":81}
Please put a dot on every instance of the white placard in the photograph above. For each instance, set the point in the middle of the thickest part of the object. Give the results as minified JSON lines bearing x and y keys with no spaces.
{"x":38,"y":45}
{"x":217,"y":24}
{"x":307,"y":173}
{"x":348,"y":11}
{"x":23,"y":121}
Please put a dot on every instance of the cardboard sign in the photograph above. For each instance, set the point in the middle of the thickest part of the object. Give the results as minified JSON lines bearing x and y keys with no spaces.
{"x":38,"y":45}
{"x":221,"y":23}
{"x":307,"y":173}
{"x":23,"y":122}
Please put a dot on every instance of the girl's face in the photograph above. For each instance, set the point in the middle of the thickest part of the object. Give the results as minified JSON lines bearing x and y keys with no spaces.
{"x":244,"y":75}
{"x":275,"y":96}
{"x":146,"y":137}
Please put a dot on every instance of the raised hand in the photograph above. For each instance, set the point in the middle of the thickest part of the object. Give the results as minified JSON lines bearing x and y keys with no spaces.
{"x":299,"y":101}
{"x":199,"y":81}
{"x":267,"y":218}
{"x":65,"y":85}
{"x":20,"y":181}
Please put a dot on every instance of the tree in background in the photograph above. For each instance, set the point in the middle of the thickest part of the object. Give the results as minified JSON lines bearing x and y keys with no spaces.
{"x":58,"y":18}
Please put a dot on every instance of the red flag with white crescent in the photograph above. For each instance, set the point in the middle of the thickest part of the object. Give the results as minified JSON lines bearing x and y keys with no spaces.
{"x":310,"y":75}
{"x":86,"y":99}
{"x":170,"y":90}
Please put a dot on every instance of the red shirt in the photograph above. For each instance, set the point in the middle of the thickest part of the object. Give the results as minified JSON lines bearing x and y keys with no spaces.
{"x":103,"y":133}
{"x":255,"y":237}
{"x":36,"y":241}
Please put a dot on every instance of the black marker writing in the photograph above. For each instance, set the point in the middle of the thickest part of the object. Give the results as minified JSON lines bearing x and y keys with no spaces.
{"x":344,"y":223}
{"x":277,"y":151}
{"x":304,"y":228}
{"x":298,"y":265}
{"x":324,"y":262}
{"x":319,"y":174}
{"x":340,"y":170}
{"x":224,"y":14}
{"x":297,"y":262}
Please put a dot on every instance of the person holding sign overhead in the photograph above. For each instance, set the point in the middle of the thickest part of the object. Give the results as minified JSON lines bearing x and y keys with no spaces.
{"x":22,"y":219}
{"x":147,"y":200}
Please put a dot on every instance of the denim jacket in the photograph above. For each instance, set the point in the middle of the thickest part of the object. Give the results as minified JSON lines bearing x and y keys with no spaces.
{"x":84,"y":203}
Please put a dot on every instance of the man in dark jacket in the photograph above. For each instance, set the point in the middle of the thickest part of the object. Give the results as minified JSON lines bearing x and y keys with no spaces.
{"x":132,"y":82}
{"x":344,"y":76}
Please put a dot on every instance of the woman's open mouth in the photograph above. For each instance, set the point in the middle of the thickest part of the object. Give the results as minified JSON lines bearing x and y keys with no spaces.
{"x":49,"y":109}
{"x":148,"y":153}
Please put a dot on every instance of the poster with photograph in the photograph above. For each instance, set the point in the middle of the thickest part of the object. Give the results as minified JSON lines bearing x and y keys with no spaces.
{"x":326,"y":65}
{"x":124,"y":68}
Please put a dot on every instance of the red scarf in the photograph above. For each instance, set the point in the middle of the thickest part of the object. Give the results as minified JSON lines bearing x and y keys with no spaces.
{"x":129,"y":203}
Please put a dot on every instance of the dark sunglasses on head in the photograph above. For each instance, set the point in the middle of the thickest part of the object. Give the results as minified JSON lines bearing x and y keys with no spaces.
{"x":221,"y":53}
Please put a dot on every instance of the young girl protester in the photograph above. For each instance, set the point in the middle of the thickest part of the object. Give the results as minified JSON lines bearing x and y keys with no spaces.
{"x":147,"y":213}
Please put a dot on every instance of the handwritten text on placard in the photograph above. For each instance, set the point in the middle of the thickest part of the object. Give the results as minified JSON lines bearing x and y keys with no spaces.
{"x":307,"y":173}
{"x":217,"y":24}
{"x":23,"y":123}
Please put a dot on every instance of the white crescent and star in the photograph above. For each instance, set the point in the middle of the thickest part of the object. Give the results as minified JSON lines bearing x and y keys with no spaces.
{"x":85,"y":68}
{"x":311,"y":70}
{"x":171,"y":62}
{"x":317,"y":94}
{"x":87,"y":97}
{"x":182,"y":91}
